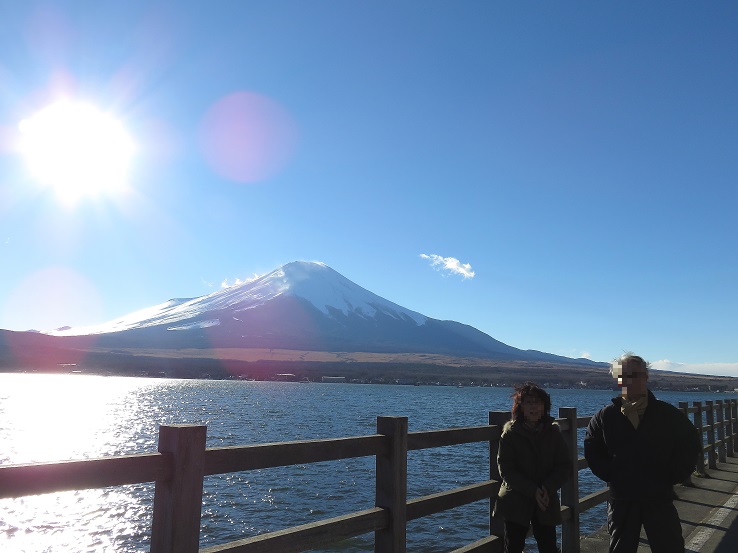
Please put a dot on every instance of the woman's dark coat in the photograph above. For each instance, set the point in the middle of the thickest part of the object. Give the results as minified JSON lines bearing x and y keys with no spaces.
{"x":528,"y":459}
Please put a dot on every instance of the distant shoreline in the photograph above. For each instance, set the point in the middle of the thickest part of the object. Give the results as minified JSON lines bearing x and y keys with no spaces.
{"x":483,"y":373}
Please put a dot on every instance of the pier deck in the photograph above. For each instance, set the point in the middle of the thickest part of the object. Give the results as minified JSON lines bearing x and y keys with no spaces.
{"x":708,"y":510}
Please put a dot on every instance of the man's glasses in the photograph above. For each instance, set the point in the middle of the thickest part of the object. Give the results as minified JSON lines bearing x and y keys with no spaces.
{"x":633,"y":376}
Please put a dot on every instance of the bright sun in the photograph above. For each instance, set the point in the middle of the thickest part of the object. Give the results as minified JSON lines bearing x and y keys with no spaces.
{"x":76,"y":149}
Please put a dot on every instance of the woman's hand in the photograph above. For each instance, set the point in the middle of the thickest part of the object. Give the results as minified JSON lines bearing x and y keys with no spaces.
{"x":542,"y":498}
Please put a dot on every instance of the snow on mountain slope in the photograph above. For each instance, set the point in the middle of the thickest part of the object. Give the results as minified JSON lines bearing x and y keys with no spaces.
{"x":324,"y":288}
{"x":314,"y":282}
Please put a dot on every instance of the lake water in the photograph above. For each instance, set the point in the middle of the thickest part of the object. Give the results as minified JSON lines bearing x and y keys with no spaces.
{"x":58,"y":417}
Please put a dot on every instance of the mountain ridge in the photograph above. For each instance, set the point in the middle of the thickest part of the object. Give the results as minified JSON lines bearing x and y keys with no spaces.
{"x":307,"y":320}
{"x":302,"y":306}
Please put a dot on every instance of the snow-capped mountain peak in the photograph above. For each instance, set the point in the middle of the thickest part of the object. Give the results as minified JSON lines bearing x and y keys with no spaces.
{"x":314,"y":282}
{"x":325,"y":288}
{"x":301,"y":306}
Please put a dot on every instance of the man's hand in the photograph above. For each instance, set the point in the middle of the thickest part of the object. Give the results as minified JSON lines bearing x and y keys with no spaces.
{"x":542,"y":498}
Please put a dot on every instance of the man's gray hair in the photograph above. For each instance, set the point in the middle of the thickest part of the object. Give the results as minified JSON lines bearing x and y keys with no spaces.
{"x":628,"y":358}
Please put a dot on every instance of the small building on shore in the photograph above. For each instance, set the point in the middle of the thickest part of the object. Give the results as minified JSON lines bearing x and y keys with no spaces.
{"x":333,"y":379}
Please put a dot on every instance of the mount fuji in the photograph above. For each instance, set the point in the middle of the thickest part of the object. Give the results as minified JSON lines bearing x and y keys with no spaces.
{"x":303,"y":306}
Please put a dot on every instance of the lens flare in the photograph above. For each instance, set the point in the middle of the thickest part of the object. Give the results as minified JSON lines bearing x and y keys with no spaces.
{"x":246,"y":137}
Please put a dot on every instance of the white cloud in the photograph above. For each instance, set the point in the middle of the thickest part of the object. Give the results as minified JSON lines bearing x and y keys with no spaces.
{"x":714,"y":369}
{"x":226,"y":284}
{"x":574,"y":353}
{"x":449,"y":264}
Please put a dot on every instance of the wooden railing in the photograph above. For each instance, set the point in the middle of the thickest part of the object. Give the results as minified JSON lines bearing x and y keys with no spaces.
{"x":182,"y":461}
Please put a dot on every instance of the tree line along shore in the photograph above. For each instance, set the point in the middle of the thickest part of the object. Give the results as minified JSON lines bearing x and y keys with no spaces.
{"x":497,"y":373}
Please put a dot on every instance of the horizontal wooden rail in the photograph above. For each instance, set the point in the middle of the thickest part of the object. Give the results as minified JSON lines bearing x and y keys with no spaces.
{"x":451,"y":436}
{"x":713,"y":445}
{"x":593,"y":499}
{"x":37,"y":478}
{"x":703,"y":409}
{"x":583,"y":422}
{"x":309,"y":536}
{"x":221,"y":460}
{"x":488,"y":544}
{"x":566,"y":513}
{"x":438,"y":502}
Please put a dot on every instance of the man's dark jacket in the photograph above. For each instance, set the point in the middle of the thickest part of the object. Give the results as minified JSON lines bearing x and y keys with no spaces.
{"x":644,"y":463}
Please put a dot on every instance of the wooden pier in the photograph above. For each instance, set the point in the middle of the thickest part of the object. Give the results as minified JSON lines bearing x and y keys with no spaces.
{"x":182,"y":461}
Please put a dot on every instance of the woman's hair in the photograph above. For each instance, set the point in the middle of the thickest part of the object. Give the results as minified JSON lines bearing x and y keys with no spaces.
{"x":529,"y":389}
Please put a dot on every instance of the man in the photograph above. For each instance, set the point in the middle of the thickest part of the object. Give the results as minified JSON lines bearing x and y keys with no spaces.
{"x":642,"y":447}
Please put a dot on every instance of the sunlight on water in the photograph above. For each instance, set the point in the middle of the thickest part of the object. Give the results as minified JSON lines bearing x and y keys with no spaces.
{"x":89,"y":520}
{"x":67,"y":417}
{"x":59,"y":417}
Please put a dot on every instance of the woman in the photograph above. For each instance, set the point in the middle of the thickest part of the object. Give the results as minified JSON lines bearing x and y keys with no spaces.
{"x":534,"y":462}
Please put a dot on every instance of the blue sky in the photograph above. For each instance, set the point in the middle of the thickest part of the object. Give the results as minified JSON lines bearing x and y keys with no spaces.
{"x":574,"y":164}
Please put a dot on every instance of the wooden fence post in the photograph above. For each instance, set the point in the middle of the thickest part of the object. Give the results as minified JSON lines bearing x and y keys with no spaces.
{"x":391,"y":485}
{"x":711,"y":461}
{"x":496,"y":418}
{"x":720,"y":430}
{"x":729,"y":427}
{"x":684,"y":407}
{"x":734,"y":417}
{"x":178,"y":501}
{"x":570,"y":489}
{"x":700,"y":469}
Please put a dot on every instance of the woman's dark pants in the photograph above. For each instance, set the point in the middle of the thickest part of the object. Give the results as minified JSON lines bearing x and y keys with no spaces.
{"x":515,"y":534}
